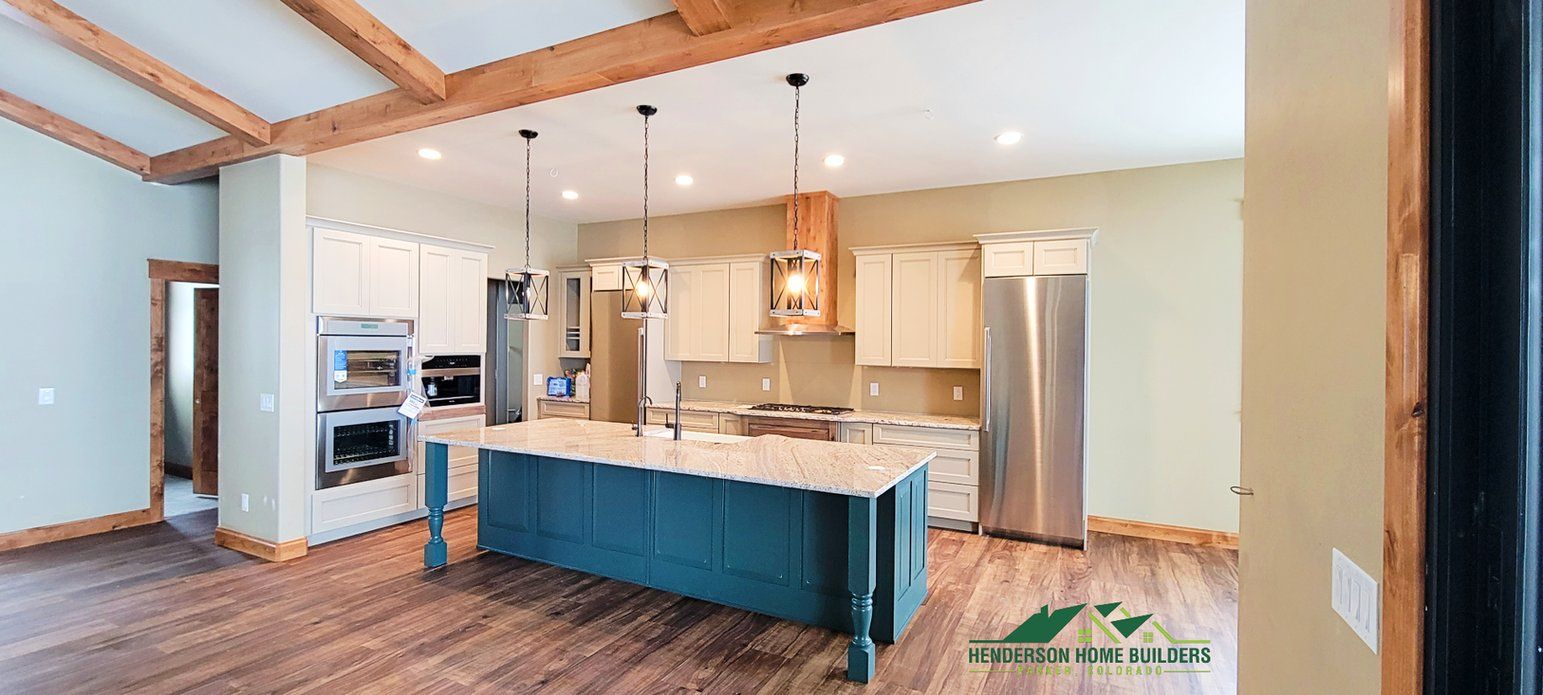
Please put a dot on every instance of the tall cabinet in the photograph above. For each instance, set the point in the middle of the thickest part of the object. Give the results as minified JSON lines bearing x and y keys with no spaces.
{"x":919,"y":306}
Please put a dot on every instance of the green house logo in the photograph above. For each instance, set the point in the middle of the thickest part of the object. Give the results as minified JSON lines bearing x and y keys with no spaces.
{"x":1109,"y":641}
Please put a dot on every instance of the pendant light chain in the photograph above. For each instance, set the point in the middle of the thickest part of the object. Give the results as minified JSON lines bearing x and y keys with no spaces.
{"x":797,"y":102}
{"x":527,"y":202}
{"x":645,"y":186}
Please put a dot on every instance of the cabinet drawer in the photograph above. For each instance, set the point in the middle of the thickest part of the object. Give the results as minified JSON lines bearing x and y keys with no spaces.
{"x":1009,"y":259}
{"x":926,"y":436}
{"x":859,"y":433}
{"x":689,"y":420}
{"x":953,"y":466}
{"x":731,"y":424}
{"x":952,"y":501}
{"x":576,"y":411}
{"x":347,"y":505}
{"x":1061,"y":257}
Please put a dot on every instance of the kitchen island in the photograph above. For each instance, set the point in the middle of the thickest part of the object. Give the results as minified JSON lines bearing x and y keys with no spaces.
{"x":822,"y":533}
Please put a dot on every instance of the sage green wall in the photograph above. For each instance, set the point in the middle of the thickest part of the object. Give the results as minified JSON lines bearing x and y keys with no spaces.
{"x":76,"y":296}
{"x":1313,"y":336}
{"x":1165,"y":350}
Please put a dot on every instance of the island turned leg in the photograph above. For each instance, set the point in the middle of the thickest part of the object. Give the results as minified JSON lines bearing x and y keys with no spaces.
{"x":436,"y":479}
{"x":862,"y":519}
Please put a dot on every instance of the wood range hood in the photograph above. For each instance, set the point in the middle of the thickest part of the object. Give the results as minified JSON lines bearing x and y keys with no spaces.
{"x":817,"y":213}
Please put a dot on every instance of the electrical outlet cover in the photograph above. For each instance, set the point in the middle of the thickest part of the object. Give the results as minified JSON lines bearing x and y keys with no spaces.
{"x":537,"y":379}
{"x":265,"y":402}
{"x":873,"y":388}
{"x":765,"y":384}
{"x":1355,"y":598}
{"x":958,"y":393}
{"x":701,"y":381}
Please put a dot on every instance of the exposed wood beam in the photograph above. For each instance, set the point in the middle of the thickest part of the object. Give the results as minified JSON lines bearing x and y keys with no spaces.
{"x":704,"y":16}
{"x":375,"y":43}
{"x":642,"y":49}
{"x":124,"y":60}
{"x":64,"y":130}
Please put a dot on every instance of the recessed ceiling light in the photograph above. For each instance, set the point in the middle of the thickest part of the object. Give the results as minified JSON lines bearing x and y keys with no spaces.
{"x":834,"y":160}
{"x":1011,"y":137}
{"x":429,"y":153}
{"x":570,"y":195}
{"x":684,"y":180}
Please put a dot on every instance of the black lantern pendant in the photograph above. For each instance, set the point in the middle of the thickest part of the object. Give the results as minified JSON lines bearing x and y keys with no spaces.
{"x":527,"y":286}
{"x":795,"y":274}
{"x":645,"y":282}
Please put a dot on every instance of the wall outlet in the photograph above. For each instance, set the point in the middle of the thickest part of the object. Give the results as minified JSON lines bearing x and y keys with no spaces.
{"x":265,"y":402}
{"x":873,"y":388}
{"x":765,"y":384}
{"x":246,"y":502}
{"x":1355,"y":598}
{"x":46,"y":396}
{"x":958,"y":393}
{"x":537,"y":379}
{"x":701,"y":381}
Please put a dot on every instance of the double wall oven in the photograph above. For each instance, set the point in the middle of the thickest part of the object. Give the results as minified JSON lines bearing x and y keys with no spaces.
{"x":363,"y":376}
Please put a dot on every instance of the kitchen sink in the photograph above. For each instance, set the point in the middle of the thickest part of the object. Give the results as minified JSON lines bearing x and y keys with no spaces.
{"x":696,"y":436}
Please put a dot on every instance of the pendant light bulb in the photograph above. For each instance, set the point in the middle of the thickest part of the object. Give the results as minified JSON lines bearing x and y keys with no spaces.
{"x":796,"y":283}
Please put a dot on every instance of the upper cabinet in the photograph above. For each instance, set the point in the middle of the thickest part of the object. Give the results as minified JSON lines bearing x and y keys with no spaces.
{"x":716,"y":306}
{"x":453,"y":300}
{"x":919,"y":306}
{"x":1050,"y":252}
{"x":363,"y":276}
{"x":571,"y":302}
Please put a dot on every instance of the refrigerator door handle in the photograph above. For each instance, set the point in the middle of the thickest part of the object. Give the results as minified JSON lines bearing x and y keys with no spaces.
{"x":985,"y":391}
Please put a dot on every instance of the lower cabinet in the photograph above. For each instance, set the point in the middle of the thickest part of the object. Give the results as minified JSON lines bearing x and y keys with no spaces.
{"x":569,"y":409}
{"x":690,"y":420}
{"x":732,"y":424}
{"x":463,"y":459}
{"x":349,"y":505}
{"x":953,"y":481}
{"x":857,"y":433}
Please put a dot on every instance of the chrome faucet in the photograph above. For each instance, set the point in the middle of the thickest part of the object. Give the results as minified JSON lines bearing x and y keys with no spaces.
{"x":677,"y":411}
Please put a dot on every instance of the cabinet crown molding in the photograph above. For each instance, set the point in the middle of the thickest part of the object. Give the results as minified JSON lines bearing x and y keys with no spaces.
{"x":1038,"y":235}
{"x":389,"y":233}
{"x":907,"y":248}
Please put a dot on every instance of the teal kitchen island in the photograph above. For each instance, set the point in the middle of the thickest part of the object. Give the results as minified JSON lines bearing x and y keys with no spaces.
{"x":824,"y":533}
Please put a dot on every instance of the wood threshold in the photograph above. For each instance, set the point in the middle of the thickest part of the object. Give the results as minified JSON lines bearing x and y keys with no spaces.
{"x":259,"y":548}
{"x":76,"y":529}
{"x":1164,"y":532}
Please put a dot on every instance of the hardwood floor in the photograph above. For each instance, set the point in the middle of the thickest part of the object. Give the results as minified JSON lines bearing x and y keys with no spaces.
{"x":160,"y":609}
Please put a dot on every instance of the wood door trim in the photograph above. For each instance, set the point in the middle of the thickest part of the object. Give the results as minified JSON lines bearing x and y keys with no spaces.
{"x":183,"y":271}
{"x":75,"y":529}
{"x":1407,"y":341}
{"x":259,"y":548}
{"x":1163,"y":532}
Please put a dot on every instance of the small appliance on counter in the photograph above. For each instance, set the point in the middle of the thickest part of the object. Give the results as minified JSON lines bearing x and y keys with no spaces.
{"x":559,"y":386}
{"x":363,"y":368}
{"x":452,"y":380}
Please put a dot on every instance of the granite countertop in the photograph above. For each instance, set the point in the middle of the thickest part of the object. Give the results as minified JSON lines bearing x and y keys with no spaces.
{"x":879,"y":417}
{"x":563,"y":399}
{"x":858,"y":470}
{"x":445,"y":412}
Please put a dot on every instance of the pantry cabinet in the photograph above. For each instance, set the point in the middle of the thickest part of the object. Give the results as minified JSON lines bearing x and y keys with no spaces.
{"x":362,"y":276}
{"x":571,"y":307}
{"x":716,"y":306}
{"x":453,"y":301}
{"x":931,"y":314}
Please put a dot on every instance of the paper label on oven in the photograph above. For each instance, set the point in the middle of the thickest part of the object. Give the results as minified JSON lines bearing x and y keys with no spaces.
{"x":413,"y":406}
{"x":339,"y":366}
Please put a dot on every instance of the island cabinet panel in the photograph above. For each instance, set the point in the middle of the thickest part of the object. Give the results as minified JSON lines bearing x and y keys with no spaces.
{"x":774,"y":550}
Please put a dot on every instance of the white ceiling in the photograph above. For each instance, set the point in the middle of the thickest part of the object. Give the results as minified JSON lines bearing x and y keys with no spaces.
{"x":1095,"y":85}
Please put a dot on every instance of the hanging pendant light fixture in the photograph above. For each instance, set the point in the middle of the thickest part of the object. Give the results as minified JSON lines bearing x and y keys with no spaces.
{"x":526,"y":287}
{"x":646,"y":281}
{"x":795,"y":274}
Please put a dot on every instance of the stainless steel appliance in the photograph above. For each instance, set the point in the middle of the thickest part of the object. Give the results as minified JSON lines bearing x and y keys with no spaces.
{"x":791,"y":408}
{"x":363,"y":371}
{"x":1033,"y":399}
{"x":616,"y":354}
{"x":452,"y":380}
{"x":361,"y":363}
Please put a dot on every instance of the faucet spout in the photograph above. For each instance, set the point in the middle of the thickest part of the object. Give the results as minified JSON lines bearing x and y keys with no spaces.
{"x":677,"y":411}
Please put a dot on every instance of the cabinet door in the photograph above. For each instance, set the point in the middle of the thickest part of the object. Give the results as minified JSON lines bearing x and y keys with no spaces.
{"x":340,"y":273}
{"x":710,"y":313}
{"x":914,"y":309}
{"x":469,"y":302}
{"x":393,"y":279}
{"x":959,"y":309}
{"x":434,"y":300}
{"x":570,"y":310}
{"x":747,"y":310}
{"x":1061,"y":257}
{"x":677,"y":327}
{"x":873,"y":310}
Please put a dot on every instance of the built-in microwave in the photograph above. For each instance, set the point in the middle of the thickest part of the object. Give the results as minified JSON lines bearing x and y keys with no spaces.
{"x":353,"y":446}
{"x":452,"y":380}
{"x":362,"y":363}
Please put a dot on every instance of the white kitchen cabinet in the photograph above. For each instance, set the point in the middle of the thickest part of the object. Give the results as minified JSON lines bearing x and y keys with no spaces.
{"x":571,"y":307}
{"x":1061,"y":257}
{"x":873,"y":309}
{"x":857,"y":433}
{"x":349,"y":505}
{"x":1042,"y":252}
{"x":690,"y":420}
{"x":954,"y":502}
{"x":452,"y":301}
{"x":748,"y":306}
{"x":677,"y":334}
{"x":914,"y":309}
{"x":1008,"y":259}
{"x":729,"y":423}
{"x":606,"y":277}
{"x":572,"y":410}
{"x":953,"y":476}
{"x":393,"y":279}
{"x":340,"y":273}
{"x":716,"y":305}
{"x":710,"y":313}
{"x":463,"y":459}
{"x":959,"y":310}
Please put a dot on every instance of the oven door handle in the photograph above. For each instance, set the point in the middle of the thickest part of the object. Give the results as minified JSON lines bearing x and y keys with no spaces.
{"x":468,"y":371}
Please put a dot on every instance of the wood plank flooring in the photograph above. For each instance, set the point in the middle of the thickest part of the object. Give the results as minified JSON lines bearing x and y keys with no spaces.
{"x":160,"y":609}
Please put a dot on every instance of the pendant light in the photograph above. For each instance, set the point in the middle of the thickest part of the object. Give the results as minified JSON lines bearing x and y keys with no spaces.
{"x":795,"y":276}
{"x":646,"y":281}
{"x":526,"y":287}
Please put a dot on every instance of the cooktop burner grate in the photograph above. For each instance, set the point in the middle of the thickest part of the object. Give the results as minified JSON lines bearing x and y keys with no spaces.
{"x":811,"y":409}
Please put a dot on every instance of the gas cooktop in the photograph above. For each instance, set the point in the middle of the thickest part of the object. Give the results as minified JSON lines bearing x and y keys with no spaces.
{"x":811,"y":409}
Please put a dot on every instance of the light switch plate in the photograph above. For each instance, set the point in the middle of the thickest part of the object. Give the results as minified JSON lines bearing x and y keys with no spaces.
{"x":873,"y":388}
{"x":246,"y":502}
{"x":701,"y":381}
{"x":765,"y":384}
{"x":537,"y":379}
{"x":265,"y":402}
{"x":1355,"y":598}
{"x":958,"y":393}
{"x":46,"y":396}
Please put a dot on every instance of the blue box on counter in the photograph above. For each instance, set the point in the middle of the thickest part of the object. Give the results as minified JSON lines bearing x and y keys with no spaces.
{"x":559,"y":386}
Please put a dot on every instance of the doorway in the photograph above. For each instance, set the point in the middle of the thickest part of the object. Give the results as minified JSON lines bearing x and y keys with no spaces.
{"x":504,"y":379}
{"x":191,"y":397}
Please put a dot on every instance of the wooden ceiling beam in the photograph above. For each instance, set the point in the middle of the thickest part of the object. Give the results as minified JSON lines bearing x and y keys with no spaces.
{"x":375,"y":43}
{"x":124,"y":60}
{"x":654,"y":46}
{"x":704,"y":16}
{"x":15,"y":108}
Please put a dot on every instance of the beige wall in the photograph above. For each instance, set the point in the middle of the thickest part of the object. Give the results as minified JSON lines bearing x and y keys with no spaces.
{"x":1312,"y":336}
{"x":361,"y":199}
{"x":1165,"y":351}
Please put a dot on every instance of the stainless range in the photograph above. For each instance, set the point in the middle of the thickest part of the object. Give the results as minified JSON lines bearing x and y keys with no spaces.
{"x":362,"y":377}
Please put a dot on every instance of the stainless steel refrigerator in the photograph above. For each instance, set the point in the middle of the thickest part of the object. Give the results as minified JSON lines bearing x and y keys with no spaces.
{"x":1033,"y":400}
